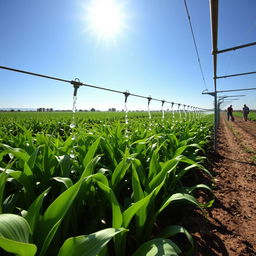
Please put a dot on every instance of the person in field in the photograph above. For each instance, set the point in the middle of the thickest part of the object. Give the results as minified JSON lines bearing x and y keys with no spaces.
{"x":246,"y":111}
{"x":230,"y":113}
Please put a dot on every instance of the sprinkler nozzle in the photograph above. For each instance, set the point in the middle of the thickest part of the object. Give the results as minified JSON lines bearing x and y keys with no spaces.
{"x":126,"y":95}
{"x":76,"y":83}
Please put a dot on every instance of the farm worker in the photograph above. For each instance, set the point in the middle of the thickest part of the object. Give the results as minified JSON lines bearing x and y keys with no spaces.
{"x":245,"y":112}
{"x":230,"y":113}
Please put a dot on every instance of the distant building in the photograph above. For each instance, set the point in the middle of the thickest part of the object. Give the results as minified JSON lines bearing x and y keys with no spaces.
{"x":44,"y":110}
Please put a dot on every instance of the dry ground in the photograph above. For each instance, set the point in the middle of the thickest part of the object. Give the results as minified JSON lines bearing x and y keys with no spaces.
{"x":231,"y":225}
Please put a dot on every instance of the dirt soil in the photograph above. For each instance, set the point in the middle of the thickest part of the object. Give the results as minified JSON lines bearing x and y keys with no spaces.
{"x":230,"y":228}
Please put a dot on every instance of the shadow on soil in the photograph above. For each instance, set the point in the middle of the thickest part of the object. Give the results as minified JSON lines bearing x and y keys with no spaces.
{"x":207,"y":242}
{"x":208,"y":230}
{"x":241,"y":162}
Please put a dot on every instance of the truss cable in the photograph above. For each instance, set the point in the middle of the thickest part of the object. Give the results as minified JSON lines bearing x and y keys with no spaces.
{"x":192,"y":32}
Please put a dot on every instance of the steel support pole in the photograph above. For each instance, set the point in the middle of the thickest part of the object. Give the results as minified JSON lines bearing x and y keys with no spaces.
{"x":214,"y":28}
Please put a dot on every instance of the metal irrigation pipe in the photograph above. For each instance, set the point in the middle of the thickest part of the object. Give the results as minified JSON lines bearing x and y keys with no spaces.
{"x":76,"y":84}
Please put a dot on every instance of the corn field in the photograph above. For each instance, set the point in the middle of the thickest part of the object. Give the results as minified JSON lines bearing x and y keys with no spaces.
{"x":98,"y":186}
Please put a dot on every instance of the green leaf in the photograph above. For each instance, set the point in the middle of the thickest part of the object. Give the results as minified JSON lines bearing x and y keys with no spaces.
{"x":117,"y":218}
{"x":119,"y":172}
{"x":17,"y":152}
{"x":88,"y":245}
{"x":27,"y":171}
{"x":167,"y":167}
{"x":14,"y":227}
{"x":180,"y":150}
{"x":32,"y":215}
{"x":15,"y":235}
{"x":198,"y":186}
{"x":158,"y":247}
{"x":25,"y":179}
{"x":138,"y":195}
{"x":3,"y":179}
{"x":65,"y":180}
{"x":91,"y":152}
{"x":54,"y":214}
{"x":33,"y":156}
{"x":136,"y":186}
{"x":107,"y":147}
{"x":129,"y":213}
{"x":49,"y":237}
{"x":179,"y":197}
{"x":154,"y":165}
{"x":136,"y":163}
{"x":18,"y":248}
{"x":173,"y":230}
{"x":90,"y":167}
{"x":99,"y":177}
{"x":192,"y":164}
{"x":65,"y":164}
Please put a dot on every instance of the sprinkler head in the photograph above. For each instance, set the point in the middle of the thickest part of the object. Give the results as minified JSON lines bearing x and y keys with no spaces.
{"x":76,"y":83}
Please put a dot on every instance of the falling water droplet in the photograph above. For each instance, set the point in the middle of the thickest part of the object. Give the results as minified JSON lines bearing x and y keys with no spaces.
{"x":126,"y":113}
{"x":72,"y":155}
{"x":74,"y":104}
{"x":73,"y":125}
{"x":149,"y":116}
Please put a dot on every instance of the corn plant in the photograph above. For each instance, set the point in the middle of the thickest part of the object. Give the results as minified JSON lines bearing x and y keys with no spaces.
{"x":101,"y":188}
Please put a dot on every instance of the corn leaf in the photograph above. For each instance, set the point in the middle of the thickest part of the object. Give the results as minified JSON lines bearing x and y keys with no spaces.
{"x":90,"y":167}
{"x":158,"y":247}
{"x":32,"y":215}
{"x":15,"y":235}
{"x":17,"y":152}
{"x":49,"y":238}
{"x":33,"y":157}
{"x":88,"y":245}
{"x":18,"y":248}
{"x":154,"y":165}
{"x":65,"y":180}
{"x":54,"y":214}
{"x":179,"y":197}
{"x":167,"y":167}
{"x":65,"y":164}
{"x":132,"y":210}
{"x":3,"y":179}
{"x":173,"y":230}
{"x":119,"y":172}
{"x":91,"y":152}
{"x":117,"y":218}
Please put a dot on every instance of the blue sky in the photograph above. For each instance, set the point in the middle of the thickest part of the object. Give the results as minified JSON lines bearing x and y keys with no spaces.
{"x":152,"y":55}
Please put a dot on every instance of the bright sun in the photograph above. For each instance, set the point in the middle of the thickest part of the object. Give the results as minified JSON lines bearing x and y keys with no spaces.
{"x":105,"y":18}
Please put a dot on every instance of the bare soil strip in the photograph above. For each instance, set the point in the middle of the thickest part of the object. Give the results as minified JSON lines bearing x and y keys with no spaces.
{"x":231,"y":225}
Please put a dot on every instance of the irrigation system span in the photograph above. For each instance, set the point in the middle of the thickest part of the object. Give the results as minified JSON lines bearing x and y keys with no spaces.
{"x":214,"y":30}
{"x":76,"y":84}
{"x":214,"y":9}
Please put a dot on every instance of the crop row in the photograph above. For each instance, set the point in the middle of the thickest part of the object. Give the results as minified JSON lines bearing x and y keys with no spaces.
{"x":251,"y":116}
{"x":99,"y":188}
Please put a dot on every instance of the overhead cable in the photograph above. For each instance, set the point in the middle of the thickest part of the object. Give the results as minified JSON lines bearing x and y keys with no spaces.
{"x":194,"y":40}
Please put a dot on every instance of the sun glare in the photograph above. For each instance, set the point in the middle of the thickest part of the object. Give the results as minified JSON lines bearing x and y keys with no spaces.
{"x":105,"y":18}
